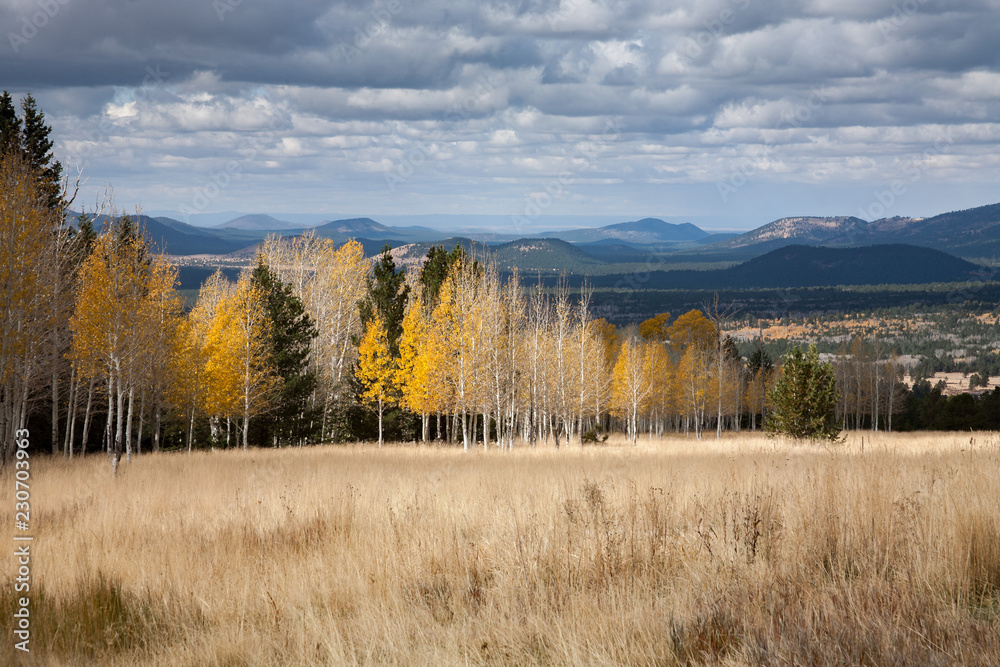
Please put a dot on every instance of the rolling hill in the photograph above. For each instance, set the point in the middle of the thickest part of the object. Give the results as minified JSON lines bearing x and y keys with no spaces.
{"x":806,"y":230}
{"x":546,"y":255}
{"x":366,"y":228}
{"x":645,"y":231}
{"x":528,"y":256}
{"x":808,"y":266}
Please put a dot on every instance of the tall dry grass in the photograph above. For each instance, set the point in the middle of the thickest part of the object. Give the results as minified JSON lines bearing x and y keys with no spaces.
{"x":882,"y":551}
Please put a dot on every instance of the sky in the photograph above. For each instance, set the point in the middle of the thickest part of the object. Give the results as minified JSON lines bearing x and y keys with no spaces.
{"x":727,"y":113}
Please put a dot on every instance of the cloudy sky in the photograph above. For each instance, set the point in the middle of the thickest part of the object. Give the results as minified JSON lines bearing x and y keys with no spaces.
{"x":728,"y":112}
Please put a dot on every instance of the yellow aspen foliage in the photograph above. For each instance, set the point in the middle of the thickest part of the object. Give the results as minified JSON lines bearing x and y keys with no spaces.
{"x":124,"y":323}
{"x":630,"y":386}
{"x":27,"y":258}
{"x":691,"y":329}
{"x":655,"y":329}
{"x":189,"y":391}
{"x":376,"y":370}
{"x":415,"y":374}
{"x":239,"y":380}
{"x":456,"y":344}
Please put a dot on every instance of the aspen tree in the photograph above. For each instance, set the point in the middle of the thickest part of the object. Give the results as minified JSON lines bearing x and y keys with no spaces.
{"x":414,"y":374}
{"x":163,"y":320}
{"x":190,"y":391}
{"x":330,"y":281}
{"x":124,"y":297}
{"x":630,"y":386}
{"x":695,"y":383}
{"x":659,"y":370}
{"x":27,"y":227}
{"x":691,"y":328}
{"x":496,"y":339}
{"x":237,"y":350}
{"x":584,"y":351}
{"x":514,"y":323}
{"x":454,"y":328}
{"x":536,"y":345}
{"x":376,"y":368}
{"x":437,"y":358}
{"x":607,"y":343}
{"x":561,"y":418}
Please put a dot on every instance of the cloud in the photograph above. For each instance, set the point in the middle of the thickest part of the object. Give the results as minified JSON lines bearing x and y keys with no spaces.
{"x":490,"y":97}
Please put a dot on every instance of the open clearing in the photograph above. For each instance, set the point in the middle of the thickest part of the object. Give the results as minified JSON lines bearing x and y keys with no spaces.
{"x":884,"y":550}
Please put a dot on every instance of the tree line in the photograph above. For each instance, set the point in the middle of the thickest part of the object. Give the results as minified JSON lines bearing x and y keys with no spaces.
{"x":317,"y":343}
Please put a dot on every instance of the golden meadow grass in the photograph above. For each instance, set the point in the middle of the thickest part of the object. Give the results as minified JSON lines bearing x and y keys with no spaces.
{"x":884,"y":550}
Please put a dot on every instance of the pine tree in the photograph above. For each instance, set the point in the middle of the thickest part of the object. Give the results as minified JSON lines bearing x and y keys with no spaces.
{"x":805,"y":398}
{"x":386,"y":298}
{"x":330,"y":281}
{"x":759,"y":370}
{"x":290,"y":335}
{"x":436,"y":268}
{"x":37,"y":148}
{"x":10,"y":125}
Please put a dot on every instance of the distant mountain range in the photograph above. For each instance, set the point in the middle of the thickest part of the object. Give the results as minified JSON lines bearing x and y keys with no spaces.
{"x":872,"y":251}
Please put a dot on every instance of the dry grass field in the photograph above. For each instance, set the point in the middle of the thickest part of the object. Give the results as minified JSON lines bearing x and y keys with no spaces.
{"x":882,"y":551}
